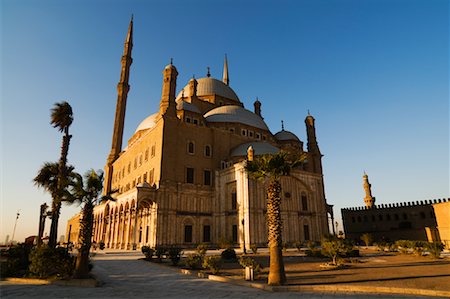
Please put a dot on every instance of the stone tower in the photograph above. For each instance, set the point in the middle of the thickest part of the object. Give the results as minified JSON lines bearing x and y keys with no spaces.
{"x":225,"y":78}
{"x":167,"y":106}
{"x":313,"y":147}
{"x":369,"y":200}
{"x":122,"y":92}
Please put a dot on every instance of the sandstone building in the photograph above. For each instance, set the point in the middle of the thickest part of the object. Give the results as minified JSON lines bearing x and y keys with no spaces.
{"x":181,"y":179}
{"x":421,"y":220}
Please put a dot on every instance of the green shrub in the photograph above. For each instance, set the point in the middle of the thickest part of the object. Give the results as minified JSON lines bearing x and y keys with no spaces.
{"x":286,"y":245}
{"x":404,"y":246}
{"x":418,"y":247}
{"x":311,"y":245}
{"x":201,"y":249}
{"x":102,"y":245}
{"x":254,"y":248}
{"x":336,"y":248}
{"x":228,"y":254}
{"x":17,"y":261}
{"x":175,"y":254}
{"x":249,"y":262}
{"x":194,"y":261}
{"x":212,"y":263}
{"x":47,"y":262}
{"x":160,"y":251}
{"x":148,"y":252}
{"x":435,"y":249}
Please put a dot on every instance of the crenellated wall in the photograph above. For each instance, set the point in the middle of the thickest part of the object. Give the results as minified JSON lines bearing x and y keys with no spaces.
{"x":406,"y":220}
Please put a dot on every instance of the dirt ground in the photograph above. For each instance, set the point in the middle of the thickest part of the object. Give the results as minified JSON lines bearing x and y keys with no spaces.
{"x":373,"y":268}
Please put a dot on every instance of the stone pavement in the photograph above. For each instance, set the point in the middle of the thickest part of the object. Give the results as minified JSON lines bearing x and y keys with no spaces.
{"x":124,"y":276}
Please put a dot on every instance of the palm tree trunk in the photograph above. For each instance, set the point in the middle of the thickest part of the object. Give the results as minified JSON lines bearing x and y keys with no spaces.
{"x":86,"y":226}
{"x":56,"y":205}
{"x":277,"y":275}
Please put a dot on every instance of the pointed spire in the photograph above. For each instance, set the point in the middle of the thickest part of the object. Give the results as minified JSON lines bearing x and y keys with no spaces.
{"x":225,"y":79}
{"x":129,"y":39}
{"x":208,"y":74}
{"x":282,"y":125}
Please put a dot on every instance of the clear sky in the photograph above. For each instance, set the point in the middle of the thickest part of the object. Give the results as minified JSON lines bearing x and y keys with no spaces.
{"x":373,"y":73}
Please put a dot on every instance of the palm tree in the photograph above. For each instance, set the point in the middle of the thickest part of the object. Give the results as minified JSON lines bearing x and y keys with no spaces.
{"x":86,"y":191}
{"x":47,"y":178}
{"x":270,"y":169}
{"x":61,"y":118}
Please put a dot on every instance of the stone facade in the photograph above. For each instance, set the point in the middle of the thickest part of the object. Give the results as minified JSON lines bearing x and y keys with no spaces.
{"x":181,"y":180}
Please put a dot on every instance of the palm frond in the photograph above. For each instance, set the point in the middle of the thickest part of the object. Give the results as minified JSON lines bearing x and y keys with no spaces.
{"x":61,"y":116}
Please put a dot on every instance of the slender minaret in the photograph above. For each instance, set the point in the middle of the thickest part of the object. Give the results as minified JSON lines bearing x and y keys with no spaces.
{"x":313,"y":147}
{"x":369,"y":200}
{"x":167,"y":105}
{"x":225,"y":79}
{"x":122,"y":92}
{"x":257,"y":105}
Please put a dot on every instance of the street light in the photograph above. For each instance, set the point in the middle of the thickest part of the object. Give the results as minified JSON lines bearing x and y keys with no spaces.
{"x":15,"y":224}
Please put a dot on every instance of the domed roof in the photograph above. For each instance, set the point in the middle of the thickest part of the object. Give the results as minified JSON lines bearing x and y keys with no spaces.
{"x":210,"y":86}
{"x":182,"y":105}
{"x":259,"y":148}
{"x":147,"y":123}
{"x":235,"y":114}
{"x":286,"y":135}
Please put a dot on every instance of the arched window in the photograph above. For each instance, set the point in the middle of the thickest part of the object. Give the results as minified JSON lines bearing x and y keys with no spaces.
{"x":233,"y":200}
{"x":304,"y":202}
{"x":191,"y":147}
{"x":207,"y":150}
{"x":187,"y":233}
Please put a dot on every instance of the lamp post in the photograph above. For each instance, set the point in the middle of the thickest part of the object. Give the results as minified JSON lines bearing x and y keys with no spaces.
{"x":243,"y":234}
{"x":15,"y":224}
{"x":42,"y":216}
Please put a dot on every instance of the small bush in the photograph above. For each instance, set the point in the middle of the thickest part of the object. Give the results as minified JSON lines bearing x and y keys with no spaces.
{"x":46,"y":262}
{"x":212,"y":263}
{"x":435,"y":249}
{"x":367,"y":239}
{"x":228,"y":254}
{"x":201,"y":249}
{"x":404,"y":246}
{"x":17,"y":261}
{"x":418,"y":247}
{"x":336,"y":248}
{"x":148,"y":252}
{"x":249,"y":262}
{"x":175,"y":254}
{"x":286,"y":245}
{"x":102,"y":245}
{"x":254,"y":248}
{"x":194,"y":261}
{"x":160,"y":251}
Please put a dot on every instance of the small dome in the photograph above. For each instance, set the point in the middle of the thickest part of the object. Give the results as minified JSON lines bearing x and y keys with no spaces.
{"x":210,"y":86}
{"x":147,"y":123}
{"x":286,"y":135}
{"x":235,"y":114}
{"x":182,"y":105}
{"x":259,"y":148}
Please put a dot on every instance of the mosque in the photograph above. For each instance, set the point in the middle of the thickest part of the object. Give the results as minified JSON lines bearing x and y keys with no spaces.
{"x":180,"y":180}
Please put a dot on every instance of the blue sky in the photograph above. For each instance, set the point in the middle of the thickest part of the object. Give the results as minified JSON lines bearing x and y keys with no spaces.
{"x":374,"y":74}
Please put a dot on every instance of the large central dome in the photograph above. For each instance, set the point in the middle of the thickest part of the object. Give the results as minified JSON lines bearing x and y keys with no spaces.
{"x":209,"y":86}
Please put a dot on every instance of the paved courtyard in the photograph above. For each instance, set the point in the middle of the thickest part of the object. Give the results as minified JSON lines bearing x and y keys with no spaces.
{"x":125,"y":276}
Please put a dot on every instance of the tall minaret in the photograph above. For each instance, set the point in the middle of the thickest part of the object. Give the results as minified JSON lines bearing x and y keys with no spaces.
{"x":369,"y":200}
{"x":122,"y":92}
{"x":225,"y":71}
{"x":313,"y":147}
{"x":167,"y":105}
